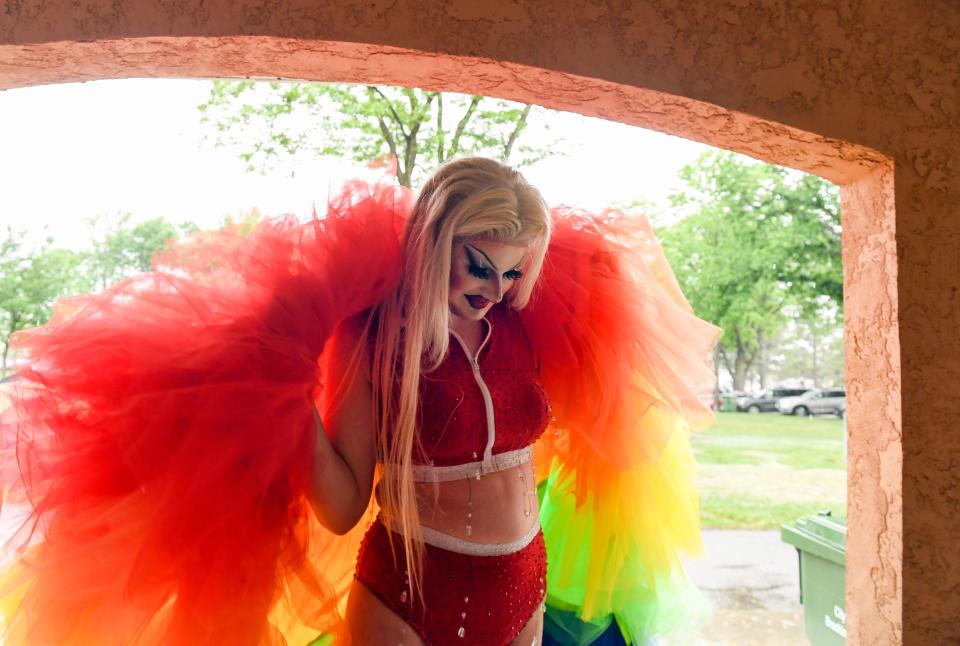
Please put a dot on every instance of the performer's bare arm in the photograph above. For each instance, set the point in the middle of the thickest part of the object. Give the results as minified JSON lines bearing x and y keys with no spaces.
{"x":344,"y":454}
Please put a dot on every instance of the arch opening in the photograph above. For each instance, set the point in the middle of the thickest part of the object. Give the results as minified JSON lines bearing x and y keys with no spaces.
{"x":866,"y":178}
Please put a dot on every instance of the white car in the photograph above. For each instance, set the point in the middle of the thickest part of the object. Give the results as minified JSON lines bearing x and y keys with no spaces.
{"x":815,"y":402}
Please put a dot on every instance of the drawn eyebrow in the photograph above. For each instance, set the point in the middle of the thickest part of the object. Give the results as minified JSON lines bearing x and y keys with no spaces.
{"x":480,"y":251}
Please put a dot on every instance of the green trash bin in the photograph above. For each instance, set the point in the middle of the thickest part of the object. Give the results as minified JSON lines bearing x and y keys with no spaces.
{"x":728,"y":403}
{"x":821,"y":547}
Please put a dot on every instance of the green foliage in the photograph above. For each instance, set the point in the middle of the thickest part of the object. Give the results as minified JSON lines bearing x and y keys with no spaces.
{"x":273,"y":122}
{"x":243,"y":222}
{"x":757,"y":242}
{"x":121,"y":249}
{"x":31,"y":279}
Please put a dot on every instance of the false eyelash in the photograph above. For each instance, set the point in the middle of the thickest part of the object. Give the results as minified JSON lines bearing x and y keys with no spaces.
{"x":483,"y":273}
{"x":480,"y":272}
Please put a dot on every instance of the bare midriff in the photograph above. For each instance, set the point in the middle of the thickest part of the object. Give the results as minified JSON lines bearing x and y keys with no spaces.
{"x":497,"y":507}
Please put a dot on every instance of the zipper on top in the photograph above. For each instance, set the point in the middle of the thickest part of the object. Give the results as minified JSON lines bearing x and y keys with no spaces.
{"x":487,"y":463}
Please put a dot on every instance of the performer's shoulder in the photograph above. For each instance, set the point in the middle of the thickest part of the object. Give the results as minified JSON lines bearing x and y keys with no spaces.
{"x":358,"y":329}
{"x":352,"y":336}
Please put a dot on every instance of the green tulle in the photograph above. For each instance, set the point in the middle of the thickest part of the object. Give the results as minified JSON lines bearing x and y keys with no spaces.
{"x":648,"y":602}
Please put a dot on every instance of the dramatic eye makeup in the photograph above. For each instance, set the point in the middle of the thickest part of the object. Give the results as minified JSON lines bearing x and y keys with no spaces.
{"x":479,"y":271}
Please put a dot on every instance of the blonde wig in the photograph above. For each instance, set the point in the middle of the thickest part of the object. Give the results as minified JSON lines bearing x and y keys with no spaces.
{"x":470,"y":198}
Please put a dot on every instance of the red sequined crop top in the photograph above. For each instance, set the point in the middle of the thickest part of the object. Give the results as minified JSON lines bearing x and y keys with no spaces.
{"x":485,"y":414}
{"x":470,"y":411}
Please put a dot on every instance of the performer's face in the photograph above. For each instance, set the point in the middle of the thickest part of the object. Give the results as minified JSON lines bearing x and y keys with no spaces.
{"x":481,"y":273}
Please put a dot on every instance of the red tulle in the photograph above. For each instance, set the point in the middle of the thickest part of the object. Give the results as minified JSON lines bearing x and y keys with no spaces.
{"x":163,"y":433}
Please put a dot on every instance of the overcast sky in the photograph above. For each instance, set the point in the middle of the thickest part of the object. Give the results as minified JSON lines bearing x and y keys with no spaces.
{"x":71,"y":151}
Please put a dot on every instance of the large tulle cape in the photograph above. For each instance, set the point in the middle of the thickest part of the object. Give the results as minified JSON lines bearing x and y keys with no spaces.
{"x":160,"y":434}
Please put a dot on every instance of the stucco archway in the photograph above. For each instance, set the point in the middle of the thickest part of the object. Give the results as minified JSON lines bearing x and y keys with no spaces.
{"x":808,"y":89}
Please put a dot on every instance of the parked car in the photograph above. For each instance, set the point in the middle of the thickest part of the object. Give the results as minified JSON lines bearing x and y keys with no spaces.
{"x":767,"y":400}
{"x":815,"y":402}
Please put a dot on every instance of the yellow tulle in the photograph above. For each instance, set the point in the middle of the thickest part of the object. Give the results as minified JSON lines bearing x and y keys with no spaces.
{"x":618,"y":552}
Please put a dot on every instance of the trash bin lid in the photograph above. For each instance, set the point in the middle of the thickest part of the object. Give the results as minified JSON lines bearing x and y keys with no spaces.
{"x":820,"y":534}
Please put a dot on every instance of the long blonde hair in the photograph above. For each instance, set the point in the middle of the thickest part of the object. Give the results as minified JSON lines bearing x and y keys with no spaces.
{"x":470,"y":198}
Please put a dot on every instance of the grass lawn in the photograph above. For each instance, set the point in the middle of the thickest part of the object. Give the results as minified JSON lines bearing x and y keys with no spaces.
{"x":758,"y":471}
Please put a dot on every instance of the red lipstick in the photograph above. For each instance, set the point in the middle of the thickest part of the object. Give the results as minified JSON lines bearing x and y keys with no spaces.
{"x":477,"y":302}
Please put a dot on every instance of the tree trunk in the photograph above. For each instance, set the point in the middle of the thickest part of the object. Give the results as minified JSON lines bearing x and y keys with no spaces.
{"x":521,"y":123}
{"x":762,"y":360}
{"x":441,"y":133}
{"x":14,"y":322}
{"x":716,"y":374}
{"x":462,"y":126}
{"x":742,"y":362}
{"x":739,"y":372}
{"x":814,"y":357}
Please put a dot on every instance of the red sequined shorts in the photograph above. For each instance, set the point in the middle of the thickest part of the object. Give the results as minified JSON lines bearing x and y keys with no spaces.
{"x":467,"y":599}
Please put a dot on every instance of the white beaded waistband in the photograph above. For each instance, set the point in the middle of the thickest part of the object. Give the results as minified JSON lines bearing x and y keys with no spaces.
{"x":456,"y":544}
{"x":497,"y":462}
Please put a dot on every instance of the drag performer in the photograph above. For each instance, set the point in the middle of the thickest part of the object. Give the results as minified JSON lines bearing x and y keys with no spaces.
{"x":378,"y":426}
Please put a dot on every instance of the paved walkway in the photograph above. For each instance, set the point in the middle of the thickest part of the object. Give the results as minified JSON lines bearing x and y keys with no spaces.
{"x":752,"y":579}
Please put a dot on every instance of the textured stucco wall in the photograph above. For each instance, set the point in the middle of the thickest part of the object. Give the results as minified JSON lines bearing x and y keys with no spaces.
{"x":863,"y":93}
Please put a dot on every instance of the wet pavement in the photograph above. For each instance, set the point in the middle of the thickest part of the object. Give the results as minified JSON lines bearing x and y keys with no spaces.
{"x":752,"y":580}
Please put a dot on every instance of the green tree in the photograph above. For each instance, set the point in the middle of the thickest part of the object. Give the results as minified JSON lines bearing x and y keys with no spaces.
{"x":273,"y":122}
{"x":31,"y":279}
{"x":121,"y":249}
{"x":754,"y":241}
